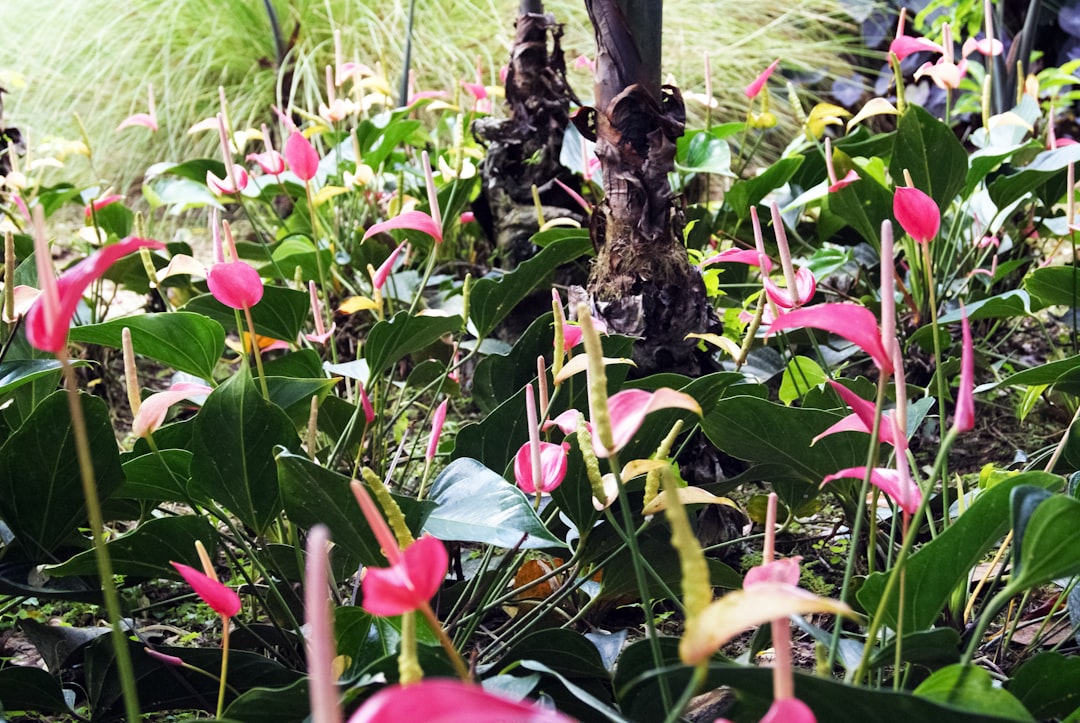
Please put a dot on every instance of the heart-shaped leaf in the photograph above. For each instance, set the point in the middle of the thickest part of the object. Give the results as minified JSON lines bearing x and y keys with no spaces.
{"x":187,"y":342}
{"x":281,"y":313}
{"x":392,"y":340}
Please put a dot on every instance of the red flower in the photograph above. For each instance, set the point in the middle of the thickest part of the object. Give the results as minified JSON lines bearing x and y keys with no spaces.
{"x":917,"y":214}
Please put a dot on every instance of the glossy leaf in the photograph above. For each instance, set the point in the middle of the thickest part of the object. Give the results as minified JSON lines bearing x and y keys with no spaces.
{"x":294,"y":395}
{"x":147,"y":550}
{"x":1053,"y":286}
{"x":1007,"y":189}
{"x":41,"y":497}
{"x":158,"y":478}
{"x":271,"y":705}
{"x":494,"y":297}
{"x":499,"y":376}
{"x":392,"y":340}
{"x":702,"y":152}
{"x":280,"y":314}
{"x":235,"y":434}
{"x":1047,"y":542}
{"x":749,"y":192}
{"x":863,"y":206}
{"x":943,"y":563}
{"x":313,"y":494}
{"x":930,"y":151}
{"x":15,"y":373}
{"x":474,"y":504}
{"x":971,"y":688}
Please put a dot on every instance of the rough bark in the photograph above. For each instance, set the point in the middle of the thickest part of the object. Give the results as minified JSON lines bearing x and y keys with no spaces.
{"x":10,"y":140}
{"x":642,"y":282}
{"x":524,"y":149}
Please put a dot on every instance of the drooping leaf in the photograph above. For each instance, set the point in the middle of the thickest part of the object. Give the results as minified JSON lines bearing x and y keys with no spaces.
{"x":186,"y":342}
{"x":941,"y":564}
{"x":147,"y":550}
{"x":235,"y":434}
{"x":474,"y":504}
{"x":41,"y":495}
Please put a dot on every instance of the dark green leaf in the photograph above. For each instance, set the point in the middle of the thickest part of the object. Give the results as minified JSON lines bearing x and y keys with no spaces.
{"x":236,"y":432}
{"x":314,"y":494}
{"x":1047,"y":543}
{"x":499,"y":376}
{"x":494,"y":298}
{"x":294,"y":395}
{"x":930,"y":151}
{"x":272,"y":705}
{"x":41,"y":495}
{"x":749,"y":192}
{"x":31,"y":689}
{"x":14,"y":374}
{"x":147,"y":550}
{"x":926,"y":647}
{"x":864,"y":205}
{"x":187,"y":342}
{"x":1054,"y":286}
{"x":1002,"y":306}
{"x":281,"y":313}
{"x":971,"y":688}
{"x":392,"y":340}
{"x":1007,"y":189}
{"x":1048,"y":685}
{"x":941,"y":564}
{"x":475,"y":504}
{"x":158,"y":478}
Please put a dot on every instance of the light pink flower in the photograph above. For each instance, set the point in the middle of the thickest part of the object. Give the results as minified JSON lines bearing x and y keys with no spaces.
{"x":553,"y":463}
{"x":226,"y":186}
{"x":628,"y":409}
{"x":903,"y":492}
{"x":415,"y":220}
{"x":851,"y":321}
{"x":153,"y":409}
{"x":146,"y":120}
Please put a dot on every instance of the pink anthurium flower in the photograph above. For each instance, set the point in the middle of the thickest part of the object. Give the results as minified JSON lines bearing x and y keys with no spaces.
{"x":835,"y":184}
{"x":784,"y":571}
{"x":751,"y":91}
{"x":220,"y":597}
{"x":750,"y":257}
{"x":904,"y":45}
{"x":365,"y":402}
{"x":302,"y":157}
{"x":383,"y":272}
{"x":964,"y":419}
{"x":903,"y":492}
{"x":443,"y":700}
{"x":567,"y":422}
{"x":805,"y":288}
{"x":851,"y":321}
{"x":318,"y":616}
{"x":270,"y":161}
{"x":235,"y":283}
{"x":101,"y":203}
{"x":917,"y":213}
{"x":553,"y":463}
{"x":228,"y":186}
{"x":410,"y":581}
{"x":862,"y":418}
{"x":146,"y":120}
{"x":437,"y":422}
{"x":153,"y":409}
{"x":48,"y":320}
{"x":321,"y":332}
{"x":789,"y":710}
{"x":628,"y":409}
{"x":415,"y":220}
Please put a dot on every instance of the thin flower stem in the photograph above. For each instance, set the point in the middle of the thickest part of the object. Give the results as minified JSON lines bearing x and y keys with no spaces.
{"x":224,"y":665}
{"x":941,"y":391}
{"x":101,"y":552}
{"x":448,"y":645}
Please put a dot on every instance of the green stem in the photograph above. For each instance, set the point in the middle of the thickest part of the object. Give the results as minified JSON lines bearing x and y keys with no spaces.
{"x":258,"y":353}
{"x":101,"y":552}
{"x":224,"y":665}
{"x":941,"y":391}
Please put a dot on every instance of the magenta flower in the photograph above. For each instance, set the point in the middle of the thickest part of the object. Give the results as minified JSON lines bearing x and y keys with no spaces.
{"x":365,"y":402}
{"x":834,"y":183}
{"x":628,"y":409}
{"x":862,"y":418}
{"x":917,"y":213}
{"x":750,"y":257}
{"x":321,"y":332}
{"x":415,"y":220}
{"x":553,"y":462}
{"x":383,"y":272}
{"x":233,"y":183}
{"x":964,"y":417}
{"x":101,"y":203}
{"x":904,"y":45}
{"x":442,"y":700}
{"x":902,"y":491}
{"x":49,"y":319}
{"x":270,"y":161}
{"x":302,"y":157}
{"x":751,"y":91}
{"x":410,"y":581}
{"x":235,"y":283}
{"x":146,"y":120}
{"x":437,"y":421}
{"x":851,"y":321}
{"x":153,"y":409}
{"x":221,"y":598}
{"x":805,"y":288}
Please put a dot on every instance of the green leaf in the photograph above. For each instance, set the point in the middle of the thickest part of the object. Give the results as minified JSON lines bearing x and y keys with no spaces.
{"x":314,"y":494}
{"x":1054,"y":286}
{"x":1064,"y":374}
{"x":492,"y":299}
{"x":147,"y":550}
{"x":802,"y":375}
{"x":13,"y":374}
{"x":499,"y":376}
{"x":864,"y":205}
{"x":930,"y":151}
{"x":985,"y":160}
{"x":187,"y":342}
{"x":1007,"y":189}
{"x":157,"y":477}
{"x":281,"y":313}
{"x":474,"y":504}
{"x":1047,"y":542}
{"x":1002,"y":306}
{"x":943,"y":563}
{"x":1048,"y":685}
{"x":298,"y":251}
{"x":235,"y":434}
{"x":294,"y":395}
{"x":751,"y":191}
{"x":31,"y":689}
{"x":702,"y":152}
{"x":392,"y":340}
{"x":272,"y":705}
{"x":927,"y":647}
{"x":971,"y":688}
{"x":41,"y":496}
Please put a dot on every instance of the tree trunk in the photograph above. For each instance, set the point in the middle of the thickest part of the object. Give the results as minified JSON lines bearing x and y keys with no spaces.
{"x":524,"y":149}
{"x":642,"y":282}
{"x":10,"y":140}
